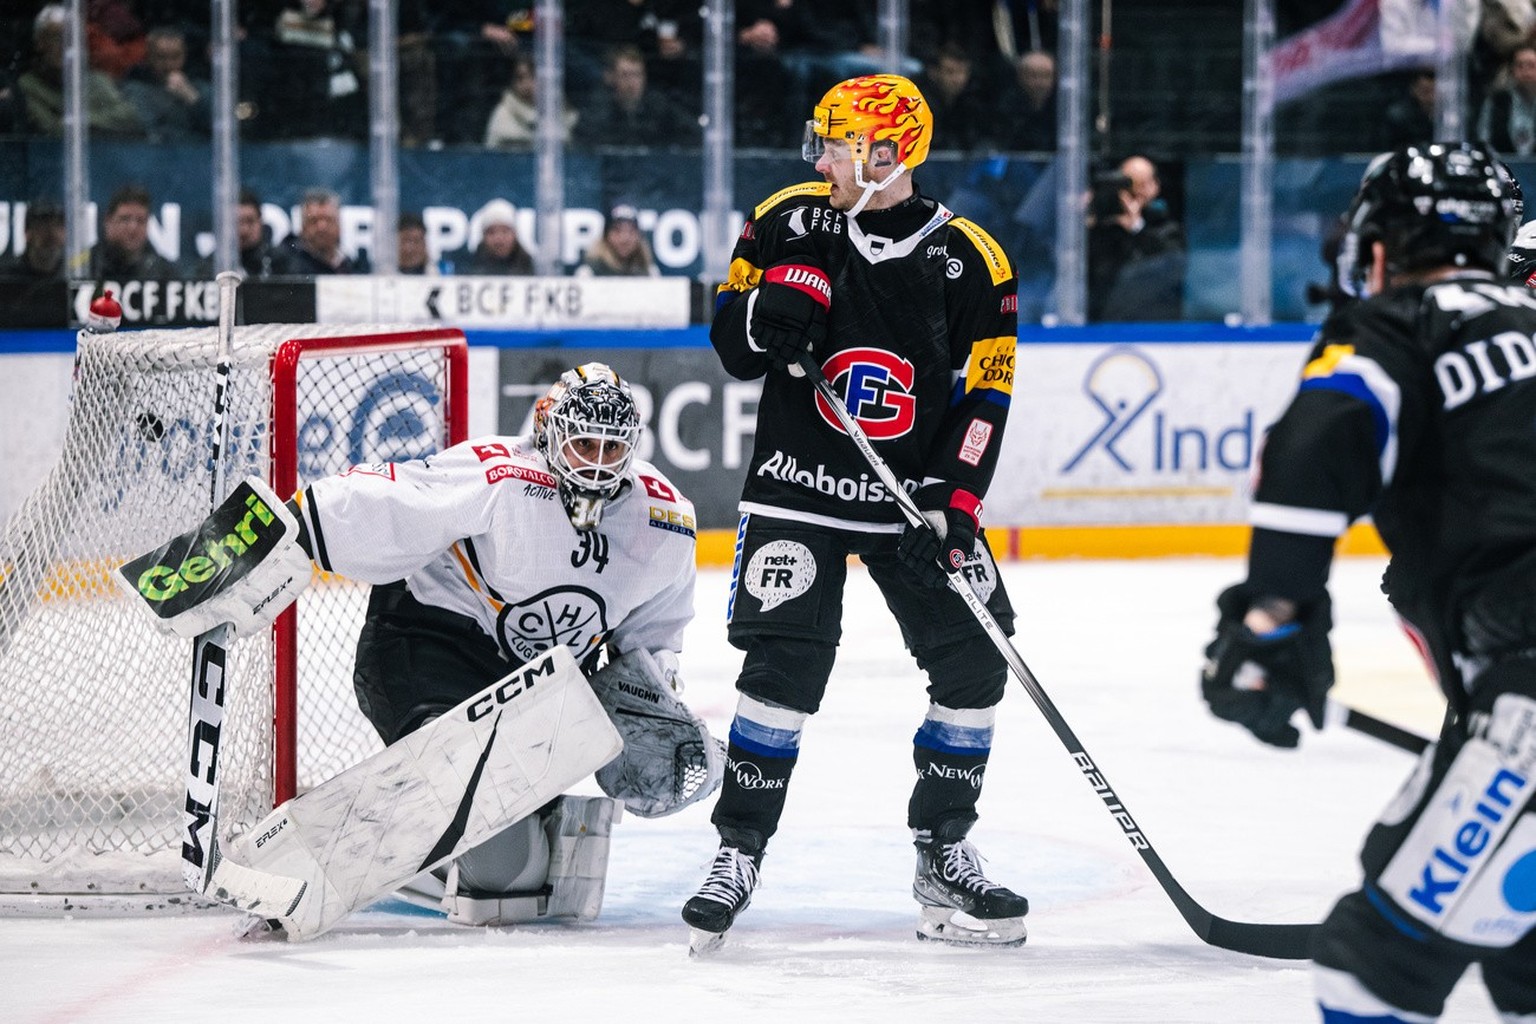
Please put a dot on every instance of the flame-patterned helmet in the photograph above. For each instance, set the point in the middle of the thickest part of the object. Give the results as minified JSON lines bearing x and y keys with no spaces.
{"x":869,"y":109}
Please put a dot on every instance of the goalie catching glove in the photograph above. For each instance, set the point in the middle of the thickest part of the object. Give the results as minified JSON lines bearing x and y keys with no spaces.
{"x":1258,"y":679}
{"x":242,"y":565}
{"x":669,"y":759}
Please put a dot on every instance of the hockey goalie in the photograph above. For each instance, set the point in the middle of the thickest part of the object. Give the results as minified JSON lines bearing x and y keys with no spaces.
{"x":504,"y":571}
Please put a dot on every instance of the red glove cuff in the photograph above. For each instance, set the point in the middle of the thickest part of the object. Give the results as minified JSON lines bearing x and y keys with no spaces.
{"x":965,"y":501}
{"x":803,"y":278}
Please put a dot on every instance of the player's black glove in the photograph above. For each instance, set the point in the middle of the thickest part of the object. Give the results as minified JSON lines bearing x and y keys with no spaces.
{"x":789,"y":314}
{"x":1258,"y":680}
{"x":946,"y":539}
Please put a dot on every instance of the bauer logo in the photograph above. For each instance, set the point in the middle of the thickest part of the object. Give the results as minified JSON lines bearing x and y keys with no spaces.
{"x":780,"y":571}
{"x":238,"y":535}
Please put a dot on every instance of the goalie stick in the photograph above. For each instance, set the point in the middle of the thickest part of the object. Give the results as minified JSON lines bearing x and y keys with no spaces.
{"x":204,"y":869}
{"x":1280,"y":941}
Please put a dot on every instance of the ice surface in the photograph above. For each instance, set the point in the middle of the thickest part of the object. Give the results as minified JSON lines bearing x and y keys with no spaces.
{"x":1254,"y":834}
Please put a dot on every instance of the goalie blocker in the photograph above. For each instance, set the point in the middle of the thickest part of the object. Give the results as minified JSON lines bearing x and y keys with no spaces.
{"x":242,"y":565}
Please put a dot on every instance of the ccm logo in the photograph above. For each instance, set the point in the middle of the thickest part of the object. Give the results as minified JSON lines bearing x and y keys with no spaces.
{"x":510,"y":687}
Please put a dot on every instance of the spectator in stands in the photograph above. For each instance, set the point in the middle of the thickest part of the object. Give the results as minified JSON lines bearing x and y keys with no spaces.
{"x":668,"y":34}
{"x":472,"y":40}
{"x":43,"y":253}
{"x":622,"y":251}
{"x":499,"y":251}
{"x":1410,"y":119}
{"x":843,"y":42}
{"x":315,"y":87}
{"x":171,"y":106}
{"x":316,"y":249}
{"x":411,"y":245}
{"x":124,"y":252}
{"x":107,"y":112}
{"x":114,"y":36}
{"x":1028,"y":107}
{"x":1507,"y":121}
{"x":764,"y":28}
{"x":515,"y":120}
{"x":627,"y":113}
{"x":961,"y":119}
{"x":258,"y":257}
{"x":1136,"y":256}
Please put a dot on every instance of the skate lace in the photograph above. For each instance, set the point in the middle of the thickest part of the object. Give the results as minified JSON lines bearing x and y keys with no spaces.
{"x":731,"y":877}
{"x":961,"y":864}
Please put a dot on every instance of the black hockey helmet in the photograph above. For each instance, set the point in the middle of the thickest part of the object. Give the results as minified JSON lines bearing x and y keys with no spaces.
{"x":1442,"y":204}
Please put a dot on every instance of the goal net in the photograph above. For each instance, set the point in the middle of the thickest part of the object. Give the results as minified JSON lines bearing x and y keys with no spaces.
{"x":93,"y":701}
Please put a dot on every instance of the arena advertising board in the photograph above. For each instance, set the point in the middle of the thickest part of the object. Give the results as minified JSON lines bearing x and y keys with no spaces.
{"x":508,"y":303}
{"x":1139,"y":433}
{"x":1099,"y":433}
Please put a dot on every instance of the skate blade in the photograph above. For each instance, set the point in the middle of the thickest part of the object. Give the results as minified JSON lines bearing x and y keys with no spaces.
{"x":945,"y":924}
{"x":703,"y":943}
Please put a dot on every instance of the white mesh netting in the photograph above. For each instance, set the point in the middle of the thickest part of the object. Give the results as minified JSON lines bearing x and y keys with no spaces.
{"x":93,"y":701}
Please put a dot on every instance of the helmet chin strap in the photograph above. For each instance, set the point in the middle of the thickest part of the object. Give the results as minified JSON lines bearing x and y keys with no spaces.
{"x":869,"y":188}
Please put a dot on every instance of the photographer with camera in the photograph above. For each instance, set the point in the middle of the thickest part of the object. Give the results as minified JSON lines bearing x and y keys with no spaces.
{"x":1136,"y":255}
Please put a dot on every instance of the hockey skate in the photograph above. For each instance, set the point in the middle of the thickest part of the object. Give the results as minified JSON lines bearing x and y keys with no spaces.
{"x":959,"y":904}
{"x":725,"y":893}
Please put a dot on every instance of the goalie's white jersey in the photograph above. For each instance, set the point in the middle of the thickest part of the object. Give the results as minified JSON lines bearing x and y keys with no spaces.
{"x":479,"y":529}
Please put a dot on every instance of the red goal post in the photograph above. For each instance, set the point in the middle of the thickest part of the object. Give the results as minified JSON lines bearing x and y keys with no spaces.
{"x":93,"y":741}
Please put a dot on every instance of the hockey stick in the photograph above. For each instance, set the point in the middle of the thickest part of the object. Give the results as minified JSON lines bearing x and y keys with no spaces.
{"x":1281,"y":941}
{"x":203,"y":867}
{"x":1393,"y":735}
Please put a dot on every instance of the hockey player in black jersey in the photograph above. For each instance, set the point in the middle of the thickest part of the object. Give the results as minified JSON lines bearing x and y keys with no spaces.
{"x":911,"y":313}
{"x":1418,"y":407}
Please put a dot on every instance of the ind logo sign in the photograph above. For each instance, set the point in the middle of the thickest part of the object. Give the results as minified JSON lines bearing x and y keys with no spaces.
{"x":1137,"y":436}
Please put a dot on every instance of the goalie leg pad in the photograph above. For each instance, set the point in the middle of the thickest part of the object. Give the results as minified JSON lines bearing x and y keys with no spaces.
{"x":444,"y":789}
{"x":573,"y":836}
{"x":669,"y":759}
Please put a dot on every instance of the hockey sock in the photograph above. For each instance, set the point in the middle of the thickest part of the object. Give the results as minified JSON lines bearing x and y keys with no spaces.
{"x":950,"y":753}
{"x":764,"y":746}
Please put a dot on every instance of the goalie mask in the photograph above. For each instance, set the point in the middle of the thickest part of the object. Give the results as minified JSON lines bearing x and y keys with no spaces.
{"x":586,"y":427}
{"x":864,"y":112}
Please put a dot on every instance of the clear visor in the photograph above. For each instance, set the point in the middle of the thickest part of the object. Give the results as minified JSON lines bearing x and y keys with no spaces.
{"x":813,"y":145}
{"x":592,"y":457}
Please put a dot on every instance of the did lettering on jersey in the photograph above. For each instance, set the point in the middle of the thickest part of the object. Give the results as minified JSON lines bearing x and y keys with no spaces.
{"x":1484,"y":366}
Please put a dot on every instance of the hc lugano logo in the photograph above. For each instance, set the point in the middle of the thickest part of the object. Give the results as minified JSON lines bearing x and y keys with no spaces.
{"x":575,"y":617}
{"x":876,"y":386}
